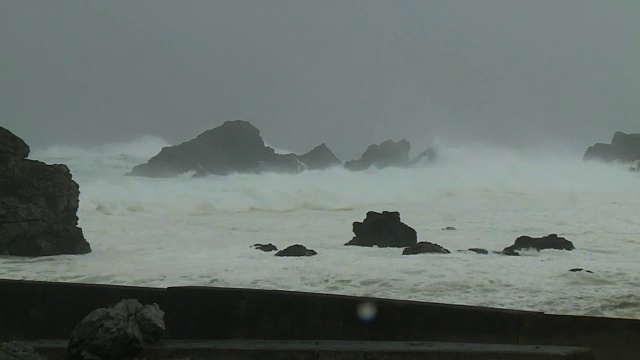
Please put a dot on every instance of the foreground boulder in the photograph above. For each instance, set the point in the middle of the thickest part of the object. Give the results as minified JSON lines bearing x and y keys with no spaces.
{"x":624,"y":148}
{"x":38,"y":204}
{"x":296,"y":250}
{"x":119,"y":332}
{"x":233,"y":147}
{"x":383,"y":230}
{"x":424,"y":247}
{"x":386,"y":154}
{"x":551,"y":241}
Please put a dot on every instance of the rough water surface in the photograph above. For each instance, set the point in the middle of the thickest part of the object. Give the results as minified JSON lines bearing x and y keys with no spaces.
{"x":199,"y":231}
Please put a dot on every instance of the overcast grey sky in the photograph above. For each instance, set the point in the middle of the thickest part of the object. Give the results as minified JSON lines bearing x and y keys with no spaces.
{"x":348,"y":73}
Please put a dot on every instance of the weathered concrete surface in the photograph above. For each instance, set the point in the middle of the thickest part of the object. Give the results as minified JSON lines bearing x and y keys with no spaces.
{"x":42,"y":310}
{"x":338,"y":350}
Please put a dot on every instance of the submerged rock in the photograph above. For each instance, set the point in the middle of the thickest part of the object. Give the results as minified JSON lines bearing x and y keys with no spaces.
{"x":265,"y":247}
{"x":551,"y":241}
{"x":119,"y":332}
{"x":38,"y":204}
{"x":424,"y":247}
{"x":296,"y":250}
{"x":624,"y":148}
{"x":386,"y":154}
{"x":383,"y":230}
{"x":479,"y":251}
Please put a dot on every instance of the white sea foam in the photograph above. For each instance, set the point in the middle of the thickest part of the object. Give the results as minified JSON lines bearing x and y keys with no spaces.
{"x":198,"y":231}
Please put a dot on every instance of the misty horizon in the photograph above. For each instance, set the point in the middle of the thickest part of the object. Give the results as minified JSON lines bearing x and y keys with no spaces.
{"x":348,"y":73}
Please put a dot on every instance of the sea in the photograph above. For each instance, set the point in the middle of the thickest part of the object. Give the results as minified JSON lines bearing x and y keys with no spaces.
{"x":200,"y":231}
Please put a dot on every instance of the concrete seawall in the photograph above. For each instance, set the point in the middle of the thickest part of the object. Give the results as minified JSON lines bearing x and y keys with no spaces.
{"x":42,"y":310}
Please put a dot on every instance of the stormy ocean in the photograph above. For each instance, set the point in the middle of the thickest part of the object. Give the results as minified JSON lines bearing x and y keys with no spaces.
{"x":199,"y":231}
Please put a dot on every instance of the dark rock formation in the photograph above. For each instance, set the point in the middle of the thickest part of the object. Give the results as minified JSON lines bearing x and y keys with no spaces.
{"x":38,"y":204}
{"x":426,"y":157}
{"x":509,"y":251}
{"x":424,"y":247}
{"x":449,"y":228}
{"x":233,"y":147}
{"x":15,"y":350}
{"x":386,"y":154}
{"x":319,"y":158}
{"x":624,"y":148}
{"x":119,"y":332}
{"x":479,"y":250}
{"x":580,"y":269}
{"x":265,"y":247}
{"x":383,"y":230}
{"x":296,"y":250}
{"x":551,"y":241}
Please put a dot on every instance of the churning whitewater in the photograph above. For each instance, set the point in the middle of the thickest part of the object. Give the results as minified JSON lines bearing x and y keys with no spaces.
{"x":199,"y":231}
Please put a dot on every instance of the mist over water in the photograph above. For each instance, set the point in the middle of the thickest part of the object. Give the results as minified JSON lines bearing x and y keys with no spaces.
{"x":198,"y":231}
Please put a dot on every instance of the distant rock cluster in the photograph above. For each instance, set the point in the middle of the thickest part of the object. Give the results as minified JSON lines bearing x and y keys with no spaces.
{"x":624,"y":148}
{"x":237,"y":147}
{"x":38,"y":204}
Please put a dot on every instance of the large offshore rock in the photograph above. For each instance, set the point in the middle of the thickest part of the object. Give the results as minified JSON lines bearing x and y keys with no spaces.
{"x":623,"y":148}
{"x":424,"y":247}
{"x":383,"y":230}
{"x":386,"y":154}
{"x":38,"y":204}
{"x":119,"y":332}
{"x":296,"y":250}
{"x":319,"y":158}
{"x":233,"y":147}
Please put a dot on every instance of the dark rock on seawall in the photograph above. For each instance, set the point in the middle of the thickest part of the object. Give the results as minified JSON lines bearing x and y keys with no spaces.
{"x":551,"y":241}
{"x":624,"y":148}
{"x":296,"y":250}
{"x":383,"y":230}
{"x":424,"y":247}
{"x":38,"y":204}
{"x":119,"y":332}
{"x":265,"y":247}
{"x":386,"y":154}
{"x":15,"y":350}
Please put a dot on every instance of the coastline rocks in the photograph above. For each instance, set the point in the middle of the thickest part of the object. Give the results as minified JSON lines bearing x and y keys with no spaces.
{"x":296,"y":250}
{"x":479,"y":251}
{"x":233,"y":147}
{"x":551,"y":241}
{"x":624,"y":148}
{"x":426,"y":157}
{"x":117,"y":333}
{"x":386,"y":154}
{"x":319,"y":158}
{"x":265,"y":247}
{"x":383,"y":230}
{"x":38,"y":204}
{"x":424,"y":247}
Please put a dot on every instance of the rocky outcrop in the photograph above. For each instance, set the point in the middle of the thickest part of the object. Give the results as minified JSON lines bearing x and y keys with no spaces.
{"x":383,"y":230}
{"x":233,"y":147}
{"x":624,"y":148}
{"x":265,"y":247}
{"x":424,"y":247}
{"x":119,"y":332}
{"x":319,"y":158}
{"x":386,"y":154}
{"x":426,"y":157}
{"x":551,"y":241}
{"x":38,"y":204}
{"x":296,"y":250}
